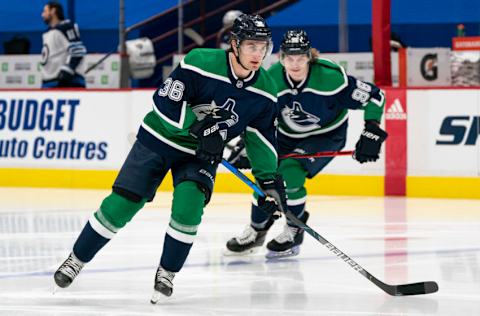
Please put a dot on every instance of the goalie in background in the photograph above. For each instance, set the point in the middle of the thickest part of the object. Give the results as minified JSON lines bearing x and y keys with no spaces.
{"x":62,"y":50}
{"x":314,"y":96}
{"x":223,"y":36}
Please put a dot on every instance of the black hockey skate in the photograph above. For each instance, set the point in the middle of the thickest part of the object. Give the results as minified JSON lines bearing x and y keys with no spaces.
{"x":287,"y":244}
{"x":247,"y":243}
{"x":67,"y":272}
{"x":163,"y":287}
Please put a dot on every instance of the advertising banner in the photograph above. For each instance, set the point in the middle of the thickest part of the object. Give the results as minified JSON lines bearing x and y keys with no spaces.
{"x":443,"y":133}
{"x":428,"y":67}
{"x":70,"y":130}
{"x":23,"y":71}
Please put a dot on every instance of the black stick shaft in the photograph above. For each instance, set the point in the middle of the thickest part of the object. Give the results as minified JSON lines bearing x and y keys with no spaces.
{"x":396,"y":290}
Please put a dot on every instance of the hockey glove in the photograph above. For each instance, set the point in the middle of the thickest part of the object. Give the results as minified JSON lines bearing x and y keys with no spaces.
{"x":370,"y":142}
{"x":65,"y":76}
{"x":210,"y":142}
{"x":238,"y":156}
{"x":275,"y":200}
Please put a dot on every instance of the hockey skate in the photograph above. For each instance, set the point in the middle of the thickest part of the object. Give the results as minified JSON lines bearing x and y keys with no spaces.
{"x":67,"y":272}
{"x":287,"y":244}
{"x":163,"y":287}
{"x":248,"y":242}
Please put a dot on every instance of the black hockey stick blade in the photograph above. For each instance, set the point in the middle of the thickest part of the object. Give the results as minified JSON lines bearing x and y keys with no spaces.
{"x":412,"y":289}
{"x":395,"y":290}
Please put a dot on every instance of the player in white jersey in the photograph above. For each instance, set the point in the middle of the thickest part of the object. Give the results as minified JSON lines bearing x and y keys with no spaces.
{"x":62,"y":50}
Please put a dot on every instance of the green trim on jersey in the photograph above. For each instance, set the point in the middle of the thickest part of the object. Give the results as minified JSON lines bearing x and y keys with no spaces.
{"x":327,"y":77}
{"x":179,"y":136}
{"x":262,"y":155}
{"x":208,"y":60}
{"x":373,"y":110}
{"x":265,"y":85}
{"x":212,"y":63}
{"x":276,"y":72}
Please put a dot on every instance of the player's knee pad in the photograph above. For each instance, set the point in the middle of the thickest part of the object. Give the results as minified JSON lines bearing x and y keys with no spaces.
{"x":187,"y":205}
{"x":117,"y":210}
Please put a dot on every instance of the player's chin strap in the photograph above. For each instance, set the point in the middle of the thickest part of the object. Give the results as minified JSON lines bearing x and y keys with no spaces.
{"x":237,"y":58}
{"x":396,"y":290}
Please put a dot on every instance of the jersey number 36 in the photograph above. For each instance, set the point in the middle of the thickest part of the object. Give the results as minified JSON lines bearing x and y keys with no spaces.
{"x":172,"y":89}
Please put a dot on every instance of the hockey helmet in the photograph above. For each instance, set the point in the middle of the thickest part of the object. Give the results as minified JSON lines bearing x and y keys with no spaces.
{"x":252,"y":27}
{"x":295,"y":42}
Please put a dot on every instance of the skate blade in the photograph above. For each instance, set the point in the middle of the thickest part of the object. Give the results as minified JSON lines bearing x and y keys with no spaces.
{"x":159,"y":298}
{"x":229,"y":253}
{"x":292,"y":252}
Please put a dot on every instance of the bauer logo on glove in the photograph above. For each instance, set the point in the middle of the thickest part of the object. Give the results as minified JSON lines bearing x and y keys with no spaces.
{"x":368,"y":146}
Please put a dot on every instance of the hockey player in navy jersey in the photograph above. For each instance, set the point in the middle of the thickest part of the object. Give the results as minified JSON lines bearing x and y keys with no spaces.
{"x":210,"y":98}
{"x":314,"y":96}
{"x":62,"y":50}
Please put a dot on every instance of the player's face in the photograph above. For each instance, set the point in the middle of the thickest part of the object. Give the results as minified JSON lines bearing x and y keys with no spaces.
{"x":296,"y":66}
{"x":46,"y":14}
{"x":252,"y":53}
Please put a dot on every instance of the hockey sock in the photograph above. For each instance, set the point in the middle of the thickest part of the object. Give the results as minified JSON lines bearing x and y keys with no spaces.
{"x":113,"y":214}
{"x":187,"y":211}
{"x":90,"y":241}
{"x":174,"y":253}
{"x":259,"y":219}
{"x":295,"y":177}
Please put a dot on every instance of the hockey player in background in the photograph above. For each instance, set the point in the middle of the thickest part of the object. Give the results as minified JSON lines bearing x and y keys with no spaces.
{"x":210,"y":98}
{"x":62,"y":50}
{"x":314,"y":96}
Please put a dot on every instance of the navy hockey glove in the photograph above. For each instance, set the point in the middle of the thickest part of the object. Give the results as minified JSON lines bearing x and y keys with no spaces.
{"x":275,"y":200}
{"x":370,"y":142}
{"x":210,"y":142}
{"x":238,"y":156}
{"x":65,"y":75}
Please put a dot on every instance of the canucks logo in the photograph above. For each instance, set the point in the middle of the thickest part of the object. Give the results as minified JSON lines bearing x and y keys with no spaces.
{"x":225,"y":114}
{"x":297,"y":119}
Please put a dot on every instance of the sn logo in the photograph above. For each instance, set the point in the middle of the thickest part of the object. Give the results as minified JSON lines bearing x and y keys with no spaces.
{"x":454,"y":128}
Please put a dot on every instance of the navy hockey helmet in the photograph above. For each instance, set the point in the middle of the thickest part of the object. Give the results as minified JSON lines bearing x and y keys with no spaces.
{"x":295,"y":42}
{"x":251,"y":27}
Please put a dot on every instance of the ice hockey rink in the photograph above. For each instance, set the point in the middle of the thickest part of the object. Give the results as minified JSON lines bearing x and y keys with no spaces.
{"x":398,"y":240}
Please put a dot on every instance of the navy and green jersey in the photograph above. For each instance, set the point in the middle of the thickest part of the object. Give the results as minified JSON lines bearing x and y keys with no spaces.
{"x":320,"y":103}
{"x":205,"y":82}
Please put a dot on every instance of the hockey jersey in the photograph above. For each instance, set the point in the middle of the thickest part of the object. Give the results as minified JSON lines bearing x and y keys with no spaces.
{"x":204,"y":82}
{"x":320,"y":103}
{"x":62,"y":49}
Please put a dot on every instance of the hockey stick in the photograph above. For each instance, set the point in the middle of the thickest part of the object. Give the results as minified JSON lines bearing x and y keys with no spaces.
{"x":101,"y":60}
{"x":319,"y":154}
{"x":395,"y":290}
